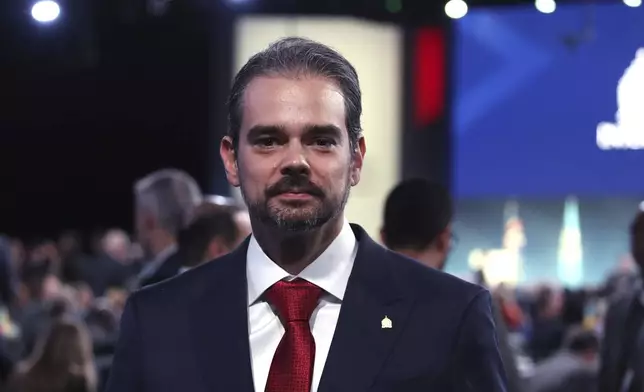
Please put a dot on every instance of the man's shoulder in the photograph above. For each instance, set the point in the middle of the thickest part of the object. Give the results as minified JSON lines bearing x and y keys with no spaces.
{"x":621,"y":305}
{"x":427,"y":283}
{"x":187,"y":286}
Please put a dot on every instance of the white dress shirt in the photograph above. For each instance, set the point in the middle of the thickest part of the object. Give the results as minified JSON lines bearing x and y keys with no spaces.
{"x":330,"y":272}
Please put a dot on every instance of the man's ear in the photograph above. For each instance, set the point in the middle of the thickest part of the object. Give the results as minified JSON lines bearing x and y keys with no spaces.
{"x":357,"y":160}
{"x":443,"y":242}
{"x":229,"y":158}
{"x":149,"y":221}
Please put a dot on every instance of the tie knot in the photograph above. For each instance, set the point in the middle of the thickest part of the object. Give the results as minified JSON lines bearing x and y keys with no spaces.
{"x":295,"y":300}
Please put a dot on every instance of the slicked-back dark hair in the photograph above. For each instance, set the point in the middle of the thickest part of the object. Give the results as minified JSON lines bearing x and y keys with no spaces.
{"x":294,"y":57}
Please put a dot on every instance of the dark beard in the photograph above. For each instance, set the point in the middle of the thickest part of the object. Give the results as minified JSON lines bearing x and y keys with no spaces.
{"x":283,"y":220}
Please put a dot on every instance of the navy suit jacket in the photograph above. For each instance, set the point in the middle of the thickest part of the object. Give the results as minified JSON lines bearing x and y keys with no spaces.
{"x":190,"y":333}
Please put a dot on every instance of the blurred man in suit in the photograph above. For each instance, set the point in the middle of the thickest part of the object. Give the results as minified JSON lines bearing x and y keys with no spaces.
{"x":622,"y":354}
{"x":164,"y":204}
{"x":308,"y":303}
{"x":418,"y":224}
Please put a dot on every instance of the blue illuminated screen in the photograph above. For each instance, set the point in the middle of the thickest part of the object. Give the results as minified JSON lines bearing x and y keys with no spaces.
{"x":536,"y":102}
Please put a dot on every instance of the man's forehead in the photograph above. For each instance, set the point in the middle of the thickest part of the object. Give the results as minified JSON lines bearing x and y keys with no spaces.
{"x":292,"y":102}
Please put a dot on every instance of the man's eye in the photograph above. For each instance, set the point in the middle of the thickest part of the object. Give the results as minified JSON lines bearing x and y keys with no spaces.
{"x":266,"y":142}
{"x":324,"y":142}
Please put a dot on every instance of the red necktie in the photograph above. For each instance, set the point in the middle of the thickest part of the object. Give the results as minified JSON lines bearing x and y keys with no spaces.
{"x":292,"y":366}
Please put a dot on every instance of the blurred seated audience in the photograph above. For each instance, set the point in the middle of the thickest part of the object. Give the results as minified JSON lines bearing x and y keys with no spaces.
{"x":111,"y":267}
{"x":8,"y":278}
{"x":510,"y":310}
{"x":548,"y":328}
{"x":72,"y":257}
{"x":60,"y":306}
{"x":45,"y":294}
{"x":573,"y":369}
{"x":61,"y":362}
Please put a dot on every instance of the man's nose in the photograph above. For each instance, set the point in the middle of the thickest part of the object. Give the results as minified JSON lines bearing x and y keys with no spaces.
{"x":295,"y":161}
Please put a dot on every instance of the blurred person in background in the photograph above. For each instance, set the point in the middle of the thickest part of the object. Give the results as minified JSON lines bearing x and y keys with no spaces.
{"x":41,"y":259}
{"x":8,"y":275}
{"x":84,"y":296}
{"x":573,"y":369}
{"x":44,"y":291}
{"x":9,"y":331}
{"x":62,"y":361}
{"x":210,"y":236}
{"x":165,"y":202}
{"x":110,"y":268}
{"x":18,"y":253}
{"x":70,"y":246}
{"x":216,"y":203}
{"x":548,"y":328}
{"x":417,"y":223}
{"x":623,"y":279}
{"x":510,"y":309}
{"x":622,"y":356}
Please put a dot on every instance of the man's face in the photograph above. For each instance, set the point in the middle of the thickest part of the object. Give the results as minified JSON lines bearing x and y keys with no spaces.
{"x":294,"y":162}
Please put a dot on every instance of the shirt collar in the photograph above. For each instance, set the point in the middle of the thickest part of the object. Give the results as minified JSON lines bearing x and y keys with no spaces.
{"x":330,"y":271}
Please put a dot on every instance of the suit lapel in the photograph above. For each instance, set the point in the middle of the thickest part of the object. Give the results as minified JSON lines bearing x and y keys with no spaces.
{"x":360,"y":344}
{"x":220,"y":325}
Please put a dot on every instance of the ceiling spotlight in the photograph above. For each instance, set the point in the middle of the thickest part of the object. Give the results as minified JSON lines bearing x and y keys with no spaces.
{"x":546,"y":6}
{"x":456,"y":9}
{"x":45,"y":11}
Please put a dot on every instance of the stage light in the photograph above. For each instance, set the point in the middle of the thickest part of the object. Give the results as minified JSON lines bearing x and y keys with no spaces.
{"x":633,"y":3}
{"x":456,"y":9}
{"x":546,"y":6}
{"x":45,"y":11}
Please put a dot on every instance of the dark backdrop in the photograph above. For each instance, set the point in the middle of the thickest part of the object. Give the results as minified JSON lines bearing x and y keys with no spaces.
{"x":104,"y":96}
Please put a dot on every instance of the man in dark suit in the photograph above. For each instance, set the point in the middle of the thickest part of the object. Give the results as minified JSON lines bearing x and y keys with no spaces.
{"x":622,"y":354}
{"x":165,"y":202}
{"x":417,"y":220}
{"x":308,"y":302}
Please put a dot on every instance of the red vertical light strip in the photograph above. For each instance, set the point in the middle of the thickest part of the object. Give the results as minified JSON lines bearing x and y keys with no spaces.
{"x":429,"y":76}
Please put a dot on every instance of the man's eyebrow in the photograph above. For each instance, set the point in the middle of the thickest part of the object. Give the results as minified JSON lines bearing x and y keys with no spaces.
{"x":329,"y":130}
{"x":325,"y":129}
{"x":259,"y":130}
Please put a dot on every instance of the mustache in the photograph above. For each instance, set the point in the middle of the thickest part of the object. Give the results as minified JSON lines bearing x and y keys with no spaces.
{"x":294,"y":184}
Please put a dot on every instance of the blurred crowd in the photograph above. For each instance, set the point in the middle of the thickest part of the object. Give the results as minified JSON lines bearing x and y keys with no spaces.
{"x":61,"y":300}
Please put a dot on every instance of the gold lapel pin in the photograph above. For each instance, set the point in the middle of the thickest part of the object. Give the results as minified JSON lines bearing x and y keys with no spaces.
{"x":386,"y":323}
